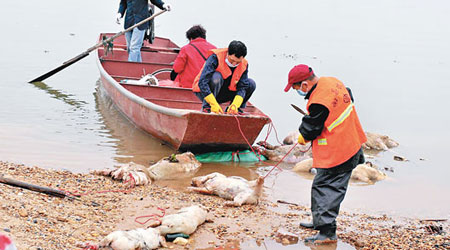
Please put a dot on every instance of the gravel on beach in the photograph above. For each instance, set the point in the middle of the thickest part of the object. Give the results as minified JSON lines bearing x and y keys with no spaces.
{"x":38,"y":221}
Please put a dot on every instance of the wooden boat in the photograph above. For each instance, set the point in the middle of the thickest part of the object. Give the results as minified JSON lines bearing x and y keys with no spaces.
{"x":169,"y":113}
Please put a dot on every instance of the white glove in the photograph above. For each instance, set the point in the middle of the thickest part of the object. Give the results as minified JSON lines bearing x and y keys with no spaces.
{"x":118,"y":17}
{"x":167,"y":7}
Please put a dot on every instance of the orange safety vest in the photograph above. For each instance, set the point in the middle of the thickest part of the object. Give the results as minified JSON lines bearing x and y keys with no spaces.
{"x":342,"y":135}
{"x":223,"y":69}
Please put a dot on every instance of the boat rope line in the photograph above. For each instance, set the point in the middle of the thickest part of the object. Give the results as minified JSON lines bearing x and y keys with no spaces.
{"x":107,"y":45}
{"x":85,"y":192}
{"x":276,"y":165}
{"x":256,"y":154}
{"x":151,"y":216}
{"x":269,"y":130}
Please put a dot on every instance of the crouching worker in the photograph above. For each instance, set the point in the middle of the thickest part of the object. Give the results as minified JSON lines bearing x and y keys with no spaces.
{"x":224,"y":78}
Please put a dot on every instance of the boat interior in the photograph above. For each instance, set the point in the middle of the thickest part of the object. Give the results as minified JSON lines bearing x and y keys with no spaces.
{"x":157,"y":60}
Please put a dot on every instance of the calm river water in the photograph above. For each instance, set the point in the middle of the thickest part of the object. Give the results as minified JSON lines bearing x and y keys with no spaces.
{"x":394,"y":55}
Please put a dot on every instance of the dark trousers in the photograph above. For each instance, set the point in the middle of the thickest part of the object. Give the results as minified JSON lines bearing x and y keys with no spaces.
{"x":222,"y":93}
{"x":328,"y":191}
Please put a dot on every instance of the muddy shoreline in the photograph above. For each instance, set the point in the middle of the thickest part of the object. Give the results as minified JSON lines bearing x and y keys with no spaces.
{"x":39,"y":221}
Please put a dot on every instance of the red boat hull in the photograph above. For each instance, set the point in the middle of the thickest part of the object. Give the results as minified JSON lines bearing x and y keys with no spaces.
{"x":172,"y":114}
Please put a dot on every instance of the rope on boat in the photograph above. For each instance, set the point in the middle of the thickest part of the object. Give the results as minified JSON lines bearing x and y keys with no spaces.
{"x":257,"y":155}
{"x":107,"y":45}
{"x":269,"y":130}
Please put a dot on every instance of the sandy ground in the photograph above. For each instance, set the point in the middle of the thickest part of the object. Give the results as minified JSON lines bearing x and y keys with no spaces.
{"x":39,"y":221}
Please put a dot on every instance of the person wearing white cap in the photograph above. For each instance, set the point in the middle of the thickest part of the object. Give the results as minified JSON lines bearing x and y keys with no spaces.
{"x":333,"y":128}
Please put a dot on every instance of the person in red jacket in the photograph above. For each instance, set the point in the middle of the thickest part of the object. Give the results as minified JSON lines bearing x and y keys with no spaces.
{"x":336,"y":135}
{"x":191,"y":57}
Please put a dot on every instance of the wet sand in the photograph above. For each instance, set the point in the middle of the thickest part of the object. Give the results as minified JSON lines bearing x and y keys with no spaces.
{"x":39,"y":221}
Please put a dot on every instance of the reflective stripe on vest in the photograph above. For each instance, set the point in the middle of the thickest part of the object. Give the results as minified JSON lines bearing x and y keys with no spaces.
{"x":341,"y":118}
{"x":322,"y":141}
{"x":343,"y":135}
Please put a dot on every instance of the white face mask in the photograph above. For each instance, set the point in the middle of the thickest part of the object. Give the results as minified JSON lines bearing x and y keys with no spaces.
{"x":229,"y":64}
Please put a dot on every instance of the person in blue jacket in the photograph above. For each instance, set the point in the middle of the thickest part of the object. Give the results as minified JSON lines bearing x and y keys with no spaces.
{"x":136,"y":11}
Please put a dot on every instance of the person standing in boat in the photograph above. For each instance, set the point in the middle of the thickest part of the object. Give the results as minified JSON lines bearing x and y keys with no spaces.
{"x":336,"y":135}
{"x":136,"y":11}
{"x":224,"y":78}
{"x":191,"y":58}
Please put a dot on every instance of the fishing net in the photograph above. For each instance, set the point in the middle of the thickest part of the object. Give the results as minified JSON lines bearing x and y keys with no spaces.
{"x":238,"y":156}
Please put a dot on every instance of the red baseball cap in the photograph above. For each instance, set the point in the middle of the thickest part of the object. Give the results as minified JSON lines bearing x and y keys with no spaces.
{"x":298,"y":73}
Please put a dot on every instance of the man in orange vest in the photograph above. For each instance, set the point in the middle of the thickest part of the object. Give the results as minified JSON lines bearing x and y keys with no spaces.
{"x":224,"y":78}
{"x":336,"y":135}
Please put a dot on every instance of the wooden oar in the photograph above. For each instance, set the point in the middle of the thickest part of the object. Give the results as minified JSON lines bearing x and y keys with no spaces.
{"x":40,"y":189}
{"x":45,"y":190}
{"x":86,"y":53}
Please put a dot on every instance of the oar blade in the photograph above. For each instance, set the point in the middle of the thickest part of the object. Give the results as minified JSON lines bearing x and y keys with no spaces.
{"x":63,"y":66}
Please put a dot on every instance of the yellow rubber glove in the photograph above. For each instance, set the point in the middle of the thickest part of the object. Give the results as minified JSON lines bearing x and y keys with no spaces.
{"x":302,"y":140}
{"x":237,"y":102}
{"x":215,"y":107}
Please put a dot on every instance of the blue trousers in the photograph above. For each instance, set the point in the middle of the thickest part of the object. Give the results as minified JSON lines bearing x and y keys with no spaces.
{"x":222,"y":93}
{"x":134,"y":38}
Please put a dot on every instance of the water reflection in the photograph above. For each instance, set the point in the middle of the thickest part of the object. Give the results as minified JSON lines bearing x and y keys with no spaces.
{"x":135,"y":145}
{"x":272,"y":244}
{"x":58,"y":94}
{"x":131,"y":143}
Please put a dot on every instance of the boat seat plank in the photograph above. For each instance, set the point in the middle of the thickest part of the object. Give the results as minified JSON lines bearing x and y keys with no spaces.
{"x":143,"y":63}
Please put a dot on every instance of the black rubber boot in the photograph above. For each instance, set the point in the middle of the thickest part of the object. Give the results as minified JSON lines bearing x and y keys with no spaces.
{"x":325,"y":236}
{"x":308,"y":225}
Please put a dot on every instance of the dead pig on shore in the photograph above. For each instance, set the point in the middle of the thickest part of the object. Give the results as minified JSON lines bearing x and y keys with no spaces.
{"x":173,"y":167}
{"x":374,"y":141}
{"x":299,"y":153}
{"x":140,"y":238}
{"x":277,"y":153}
{"x":366,"y":172}
{"x":236,"y":189}
{"x":185,"y":221}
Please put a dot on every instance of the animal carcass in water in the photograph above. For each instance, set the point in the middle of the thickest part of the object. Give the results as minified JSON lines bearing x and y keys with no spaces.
{"x":366,"y":172}
{"x":379,"y":142}
{"x":234,"y":188}
{"x":291,"y":138}
{"x":141,"y":239}
{"x":185,"y":221}
{"x":276,"y":153}
{"x":175,"y":166}
{"x":304,"y":166}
